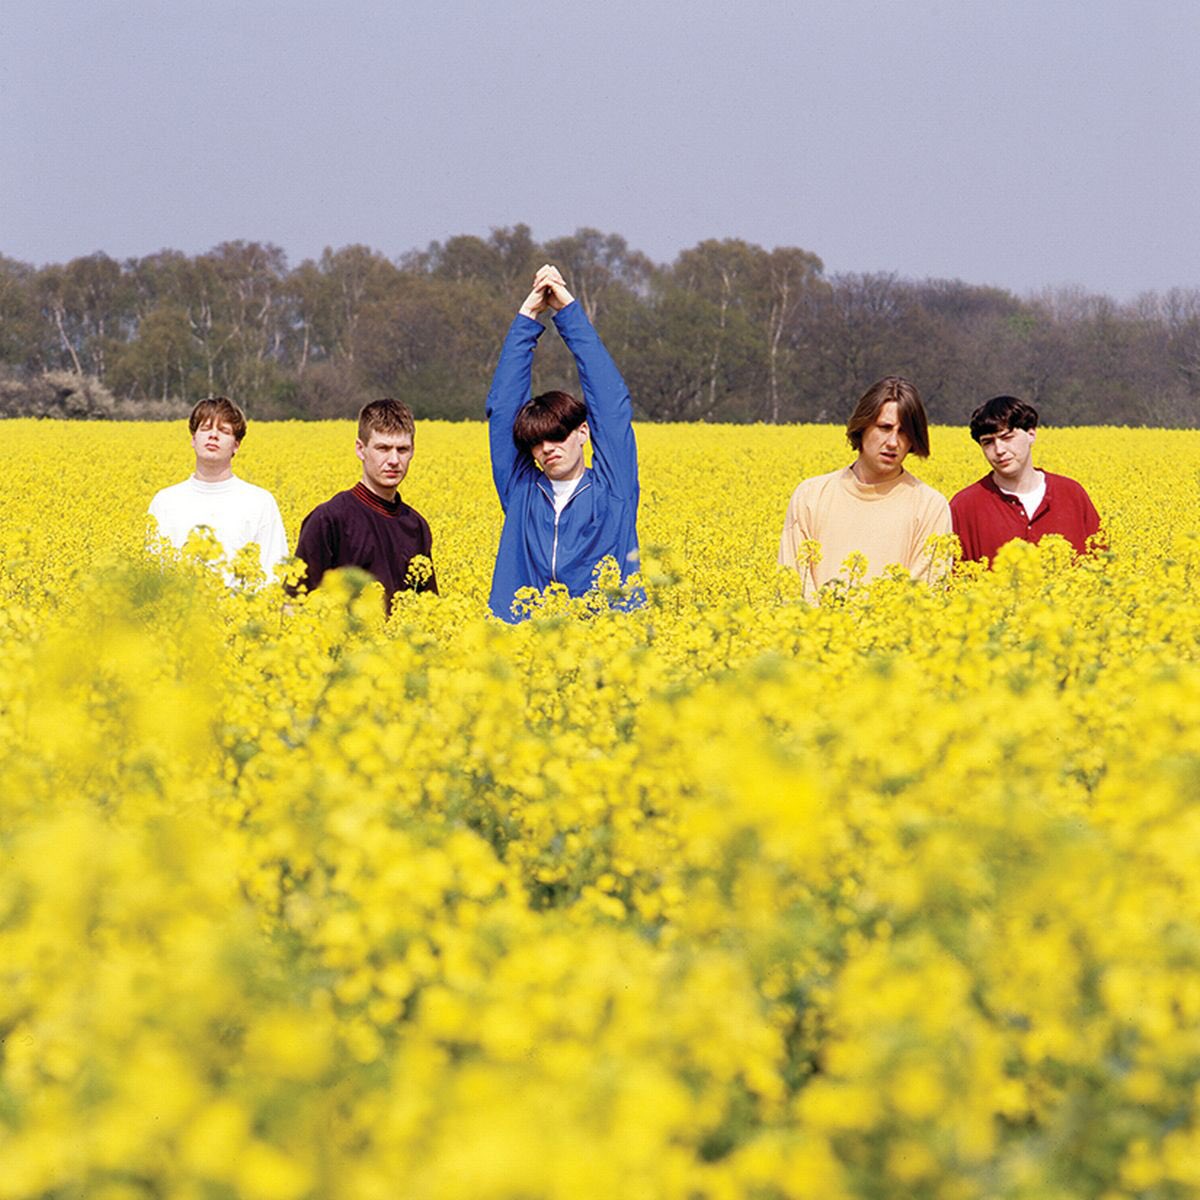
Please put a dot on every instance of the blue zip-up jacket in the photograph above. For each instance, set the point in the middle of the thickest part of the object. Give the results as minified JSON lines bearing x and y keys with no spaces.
{"x":538,"y":546}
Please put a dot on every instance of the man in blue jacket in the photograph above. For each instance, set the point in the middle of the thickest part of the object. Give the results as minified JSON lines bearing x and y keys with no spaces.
{"x":560,"y":518}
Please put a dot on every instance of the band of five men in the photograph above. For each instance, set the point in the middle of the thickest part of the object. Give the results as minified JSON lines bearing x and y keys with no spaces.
{"x":562,"y":517}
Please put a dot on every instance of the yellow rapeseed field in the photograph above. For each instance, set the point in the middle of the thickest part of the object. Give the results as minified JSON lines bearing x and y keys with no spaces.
{"x":894,"y":896}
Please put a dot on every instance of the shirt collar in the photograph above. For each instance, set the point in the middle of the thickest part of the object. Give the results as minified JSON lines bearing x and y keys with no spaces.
{"x":364,"y":495}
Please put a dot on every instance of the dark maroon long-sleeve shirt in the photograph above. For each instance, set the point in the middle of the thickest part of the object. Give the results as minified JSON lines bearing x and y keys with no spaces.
{"x":359,"y":529}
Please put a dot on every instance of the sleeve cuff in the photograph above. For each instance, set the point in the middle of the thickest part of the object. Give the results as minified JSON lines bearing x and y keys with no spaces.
{"x":528,"y":325}
{"x":573,"y":314}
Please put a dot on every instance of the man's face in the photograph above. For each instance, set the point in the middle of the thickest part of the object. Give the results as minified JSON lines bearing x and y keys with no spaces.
{"x":214,"y":443}
{"x":562,"y":460}
{"x":1008,"y":453}
{"x":884,"y":446}
{"x":385,"y":458}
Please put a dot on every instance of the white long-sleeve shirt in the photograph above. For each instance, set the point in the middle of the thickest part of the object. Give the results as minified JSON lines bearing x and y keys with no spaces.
{"x":237,"y":512}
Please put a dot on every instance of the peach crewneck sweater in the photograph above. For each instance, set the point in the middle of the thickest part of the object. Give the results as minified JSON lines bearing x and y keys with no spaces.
{"x":888,"y":522}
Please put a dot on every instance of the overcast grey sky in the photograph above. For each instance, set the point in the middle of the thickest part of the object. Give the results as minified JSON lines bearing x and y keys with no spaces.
{"x":1027,"y":144}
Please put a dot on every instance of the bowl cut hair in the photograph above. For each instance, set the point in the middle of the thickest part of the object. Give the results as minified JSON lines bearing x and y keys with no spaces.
{"x":218,"y":409}
{"x":549,"y":417}
{"x":385,"y":416}
{"x":1000,"y":414}
{"x":913,"y":420}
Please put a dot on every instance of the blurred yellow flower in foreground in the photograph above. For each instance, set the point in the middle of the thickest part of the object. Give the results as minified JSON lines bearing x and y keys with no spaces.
{"x":890,"y":895}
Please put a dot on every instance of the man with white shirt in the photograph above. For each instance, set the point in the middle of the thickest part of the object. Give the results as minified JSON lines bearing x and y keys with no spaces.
{"x":237,"y":512}
{"x":1016,"y":500}
{"x":561,"y":517}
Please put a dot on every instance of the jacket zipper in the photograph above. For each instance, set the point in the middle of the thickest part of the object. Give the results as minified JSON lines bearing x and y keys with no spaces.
{"x":558,"y":513}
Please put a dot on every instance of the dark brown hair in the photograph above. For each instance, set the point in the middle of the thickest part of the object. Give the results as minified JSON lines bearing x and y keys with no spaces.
{"x":218,"y":409}
{"x":385,"y":416}
{"x":548,"y":418}
{"x":908,"y":403}
{"x":1002,"y":413}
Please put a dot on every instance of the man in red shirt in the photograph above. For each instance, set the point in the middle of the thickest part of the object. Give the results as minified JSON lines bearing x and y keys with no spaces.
{"x":1016,"y":500}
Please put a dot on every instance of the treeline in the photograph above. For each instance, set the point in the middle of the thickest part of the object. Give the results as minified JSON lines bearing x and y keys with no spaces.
{"x":727,"y":332}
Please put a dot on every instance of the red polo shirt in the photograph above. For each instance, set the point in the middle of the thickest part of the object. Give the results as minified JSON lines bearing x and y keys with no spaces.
{"x":985,"y":517}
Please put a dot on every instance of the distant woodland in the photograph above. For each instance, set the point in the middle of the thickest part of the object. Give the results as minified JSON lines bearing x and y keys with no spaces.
{"x":729,"y":331}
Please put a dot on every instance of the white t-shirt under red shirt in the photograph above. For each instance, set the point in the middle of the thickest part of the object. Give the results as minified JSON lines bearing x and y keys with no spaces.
{"x":1031,"y":499}
{"x":236,"y":511}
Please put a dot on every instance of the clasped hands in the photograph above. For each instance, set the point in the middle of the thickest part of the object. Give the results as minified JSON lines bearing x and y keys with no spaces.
{"x":549,"y":291}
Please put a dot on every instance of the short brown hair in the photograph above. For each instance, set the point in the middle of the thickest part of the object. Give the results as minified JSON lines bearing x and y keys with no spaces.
{"x":385,"y":416}
{"x":908,"y":402}
{"x":549,"y":417}
{"x":218,"y":409}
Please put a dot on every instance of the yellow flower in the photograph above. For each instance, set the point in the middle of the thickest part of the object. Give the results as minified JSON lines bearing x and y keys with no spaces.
{"x":729,"y":895}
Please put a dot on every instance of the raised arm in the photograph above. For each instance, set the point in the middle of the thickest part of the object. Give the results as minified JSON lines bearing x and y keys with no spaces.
{"x":610,"y":409}
{"x":509,"y":390}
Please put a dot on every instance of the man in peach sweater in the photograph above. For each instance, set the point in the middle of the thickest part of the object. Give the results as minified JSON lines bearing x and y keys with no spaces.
{"x":873,"y":507}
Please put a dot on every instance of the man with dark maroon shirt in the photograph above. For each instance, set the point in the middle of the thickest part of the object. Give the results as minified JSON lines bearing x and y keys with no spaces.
{"x":1016,"y":500}
{"x":369,"y":526}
